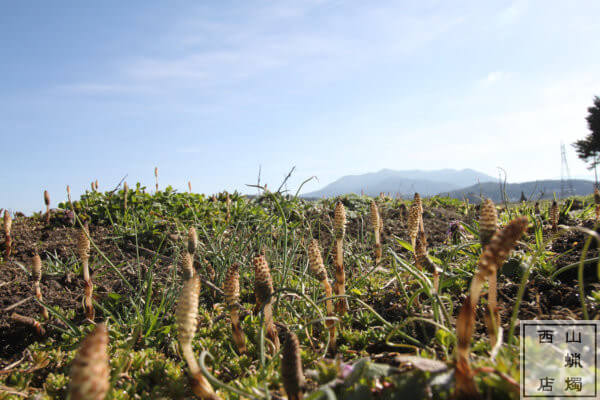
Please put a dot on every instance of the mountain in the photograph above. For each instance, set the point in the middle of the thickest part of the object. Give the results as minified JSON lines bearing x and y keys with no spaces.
{"x":533,"y":190}
{"x":427,"y":183}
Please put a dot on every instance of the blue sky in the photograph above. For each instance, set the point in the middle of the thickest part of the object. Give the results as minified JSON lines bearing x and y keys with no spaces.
{"x":208,"y":91}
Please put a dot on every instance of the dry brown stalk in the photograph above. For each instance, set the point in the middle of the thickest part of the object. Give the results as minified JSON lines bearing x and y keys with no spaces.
{"x":231,"y":288}
{"x":28,"y":321}
{"x":190,"y":186}
{"x":376,"y":224}
{"x":291,"y":367}
{"x":186,"y":316}
{"x":7,"y":234}
{"x":36,"y":274}
{"x":318,"y":269}
{"x":263,"y":290}
{"x":488,"y":222}
{"x":554,"y":215}
{"x":90,"y":371}
{"x":83,"y":249}
{"x":339,"y":228}
{"x":47,"y":202}
{"x":96,"y":185}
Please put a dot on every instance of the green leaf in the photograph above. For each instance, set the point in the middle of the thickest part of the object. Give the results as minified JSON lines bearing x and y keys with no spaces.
{"x":405,"y":244}
{"x":114,"y":296}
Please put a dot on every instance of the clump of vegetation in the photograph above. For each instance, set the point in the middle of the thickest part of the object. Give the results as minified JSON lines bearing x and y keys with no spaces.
{"x":177,"y":277}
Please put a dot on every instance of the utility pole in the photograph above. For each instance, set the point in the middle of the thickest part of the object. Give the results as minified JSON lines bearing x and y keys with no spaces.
{"x":566,"y":186}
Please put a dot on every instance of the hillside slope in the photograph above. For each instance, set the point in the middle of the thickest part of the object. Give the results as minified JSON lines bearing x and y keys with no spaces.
{"x":427,"y":183}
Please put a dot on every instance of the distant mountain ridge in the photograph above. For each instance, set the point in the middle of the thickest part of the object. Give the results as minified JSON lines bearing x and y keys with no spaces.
{"x":536,"y":190}
{"x":427,"y":183}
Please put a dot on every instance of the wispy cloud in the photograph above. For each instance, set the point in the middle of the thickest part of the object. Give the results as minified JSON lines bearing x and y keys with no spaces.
{"x":104,"y":89}
{"x":290,"y":39}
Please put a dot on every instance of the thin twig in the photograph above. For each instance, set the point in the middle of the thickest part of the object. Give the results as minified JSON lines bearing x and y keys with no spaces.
{"x":17,"y":304}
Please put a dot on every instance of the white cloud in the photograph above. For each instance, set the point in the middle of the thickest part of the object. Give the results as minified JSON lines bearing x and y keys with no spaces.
{"x":301,"y":41}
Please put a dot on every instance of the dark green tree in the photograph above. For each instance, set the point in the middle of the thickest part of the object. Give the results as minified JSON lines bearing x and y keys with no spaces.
{"x":588,"y":148}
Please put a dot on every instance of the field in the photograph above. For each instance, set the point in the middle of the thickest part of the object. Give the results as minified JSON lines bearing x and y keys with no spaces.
{"x":398,"y":338}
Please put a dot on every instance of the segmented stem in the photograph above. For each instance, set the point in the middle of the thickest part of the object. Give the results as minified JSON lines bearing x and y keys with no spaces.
{"x":376,"y":224}
{"x":488,"y":222}
{"x":318,"y":269}
{"x":263,"y":290}
{"x":28,"y":321}
{"x":90,"y":371}
{"x":83,"y":248}
{"x":414,"y":218}
{"x":231,"y":288}
{"x":36,"y":274}
{"x":554,"y":215}
{"x":291,"y":367}
{"x":187,"y":265}
{"x":492,"y":258}
{"x":339,"y":225}
{"x":186,"y":316}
